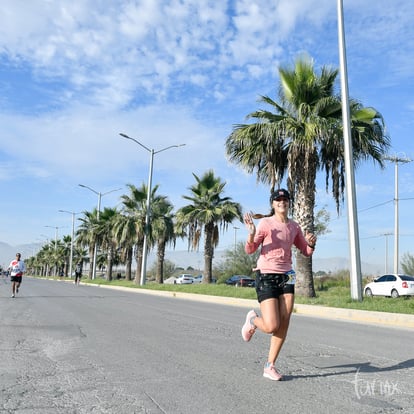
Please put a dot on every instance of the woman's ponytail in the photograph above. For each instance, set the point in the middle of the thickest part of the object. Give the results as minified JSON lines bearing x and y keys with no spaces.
{"x":260,"y":216}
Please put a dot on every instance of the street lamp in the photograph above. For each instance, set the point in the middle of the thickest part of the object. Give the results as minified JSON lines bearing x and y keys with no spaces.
{"x":72,"y":237}
{"x":56,"y":234}
{"x":100,"y":195}
{"x":147,"y":216}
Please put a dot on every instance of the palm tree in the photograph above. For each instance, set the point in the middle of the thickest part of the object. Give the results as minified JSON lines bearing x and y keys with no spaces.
{"x":125,"y":236}
{"x":105,"y":231}
{"x":67,"y":241}
{"x":135,"y":211}
{"x":207,"y":212}
{"x":42,"y":260}
{"x":80,"y":255}
{"x":59,"y":255}
{"x":301,"y":136}
{"x":56,"y":257}
{"x":86,"y":233}
{"x":162,"y":230}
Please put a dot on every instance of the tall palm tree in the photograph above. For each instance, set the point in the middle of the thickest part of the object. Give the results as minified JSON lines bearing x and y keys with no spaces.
{"x":60,"y":257}
{"x":86,"y":235}
{"x":135,"y":208}
{"x":105,"y":231}
{"x":302,"y":135}
{"x":56,"y":258}
{"x":162,"y":230}
{"x":43,"y":260}
{"x":80,"y":256}
{"x":125,"y":236}
{"x":67,"y":241}
{"x":207,"y":212}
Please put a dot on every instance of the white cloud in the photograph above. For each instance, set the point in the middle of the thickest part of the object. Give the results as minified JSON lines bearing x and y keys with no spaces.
{"x":82,"y":140}
{"x":91,"y":44}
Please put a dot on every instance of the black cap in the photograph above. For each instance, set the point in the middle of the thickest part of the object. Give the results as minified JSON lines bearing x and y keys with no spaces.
{"x":280,"y":193}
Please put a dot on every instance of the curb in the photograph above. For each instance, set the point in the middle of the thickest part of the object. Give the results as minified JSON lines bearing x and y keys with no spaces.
{"x":394,"y":320}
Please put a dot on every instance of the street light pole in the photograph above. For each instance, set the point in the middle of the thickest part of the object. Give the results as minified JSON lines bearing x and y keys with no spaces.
{"x":147,"y":222}
{"x":235,"y":245}
{"x":100,"y":195}
{"x":71,"y":240}
{"x":148,"y":203}
{"x":386,"y":251}
{"x":396,"y":160}
{"x":235,"y":237}
{"x":354,"y":250}
{"x":56,"y":234}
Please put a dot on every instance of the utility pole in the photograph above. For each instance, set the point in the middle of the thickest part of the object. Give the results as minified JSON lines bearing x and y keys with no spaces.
{"x":396,"y":160}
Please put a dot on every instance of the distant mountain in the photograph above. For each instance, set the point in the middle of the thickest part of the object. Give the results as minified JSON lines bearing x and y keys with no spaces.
{"x":185,"y":259}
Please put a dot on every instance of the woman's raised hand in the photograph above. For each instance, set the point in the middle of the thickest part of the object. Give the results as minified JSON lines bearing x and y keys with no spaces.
{"x":248,"y":221}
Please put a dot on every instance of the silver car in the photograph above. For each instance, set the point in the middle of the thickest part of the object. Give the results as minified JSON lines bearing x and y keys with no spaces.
{"x":391,"y":285}
{"x":184,"y":279}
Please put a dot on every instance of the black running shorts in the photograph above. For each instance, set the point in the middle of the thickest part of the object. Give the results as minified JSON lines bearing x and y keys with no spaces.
{"x":17,"y":279}
{"x":271,"y":287}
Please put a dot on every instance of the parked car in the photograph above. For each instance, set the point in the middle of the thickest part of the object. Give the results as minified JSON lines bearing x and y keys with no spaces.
{"x":184,"y":279}
{"x":198,"y":279}
{"x":390,"y":285}
{"x":240,"y":280}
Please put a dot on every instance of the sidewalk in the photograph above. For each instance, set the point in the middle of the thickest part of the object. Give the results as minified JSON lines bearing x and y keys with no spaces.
{"x":396,"y":320}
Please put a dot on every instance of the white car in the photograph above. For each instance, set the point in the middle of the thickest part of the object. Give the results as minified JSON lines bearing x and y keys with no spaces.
{"x":391,"y":285}
{"x":184,"y":279}
{"x":198,"y":279}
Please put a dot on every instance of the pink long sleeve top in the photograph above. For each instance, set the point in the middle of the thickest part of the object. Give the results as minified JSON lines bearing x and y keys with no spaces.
{"x":276,"y":239}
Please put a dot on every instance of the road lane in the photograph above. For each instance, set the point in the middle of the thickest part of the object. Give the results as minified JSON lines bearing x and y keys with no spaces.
{"x":84,"y":349}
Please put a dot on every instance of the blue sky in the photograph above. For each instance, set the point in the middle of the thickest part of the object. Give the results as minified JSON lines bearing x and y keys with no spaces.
{"x":73,"y":75}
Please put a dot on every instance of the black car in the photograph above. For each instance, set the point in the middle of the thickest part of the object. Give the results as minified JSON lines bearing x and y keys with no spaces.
{"x":240,"y":280}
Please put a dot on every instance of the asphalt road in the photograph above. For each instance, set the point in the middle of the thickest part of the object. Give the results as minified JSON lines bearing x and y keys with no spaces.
{"x":83,"y":349}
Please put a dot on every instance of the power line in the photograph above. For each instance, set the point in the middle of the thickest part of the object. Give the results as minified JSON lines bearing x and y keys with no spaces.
{"x":377,"y":205}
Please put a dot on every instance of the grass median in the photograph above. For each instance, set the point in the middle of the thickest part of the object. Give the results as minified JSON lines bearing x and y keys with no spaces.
{"x":331,"y":292}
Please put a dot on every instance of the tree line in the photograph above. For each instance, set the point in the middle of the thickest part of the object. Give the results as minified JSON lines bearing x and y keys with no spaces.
{"x":119,"y":233}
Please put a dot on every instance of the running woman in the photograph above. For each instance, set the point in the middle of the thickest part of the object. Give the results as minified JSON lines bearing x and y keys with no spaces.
{"x":275,"y":280}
